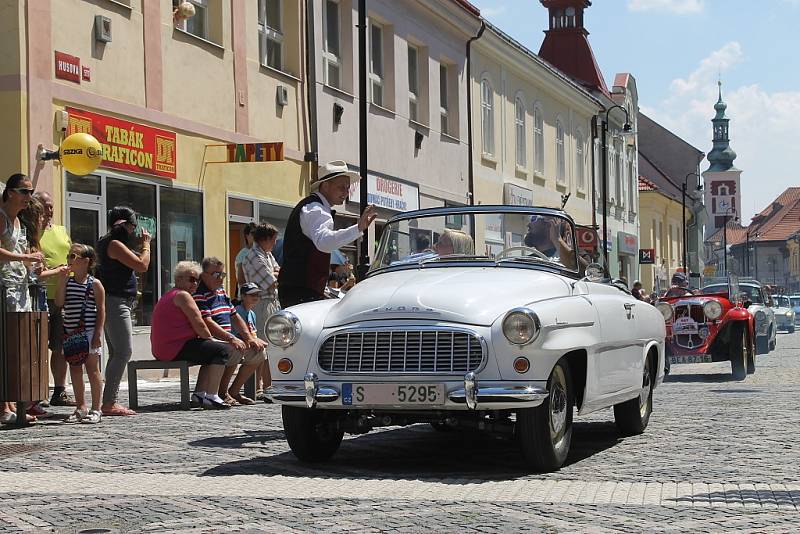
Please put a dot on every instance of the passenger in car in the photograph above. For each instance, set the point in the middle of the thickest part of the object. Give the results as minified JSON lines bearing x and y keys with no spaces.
{"x":454,"y":242}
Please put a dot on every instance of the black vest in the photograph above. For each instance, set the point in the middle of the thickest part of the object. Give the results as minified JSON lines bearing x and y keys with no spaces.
{"x":304,"y":266}
{"x":118,"y":280}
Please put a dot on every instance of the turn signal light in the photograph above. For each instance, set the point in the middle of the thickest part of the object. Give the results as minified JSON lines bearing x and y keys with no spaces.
{"x":521,"y":365}
{"x":285,"y":365}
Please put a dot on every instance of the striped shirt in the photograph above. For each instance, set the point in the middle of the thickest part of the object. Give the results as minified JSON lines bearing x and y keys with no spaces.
{"x":214,"y":304}
{"x":73,"y":304}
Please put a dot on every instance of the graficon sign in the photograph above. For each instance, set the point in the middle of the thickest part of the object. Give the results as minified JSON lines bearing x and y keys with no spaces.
{"x":128,"y":146}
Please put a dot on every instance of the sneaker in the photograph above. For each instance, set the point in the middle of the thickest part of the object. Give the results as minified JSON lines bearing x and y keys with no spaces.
{"x":76,"y":417}
{"x":62,"y":399}
{"x":92,"y":417}
{"x":36,"y":411}
{"x":8,"y":418}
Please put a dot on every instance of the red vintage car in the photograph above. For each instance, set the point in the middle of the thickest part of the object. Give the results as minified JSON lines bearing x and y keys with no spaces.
{"x":710,"y":327}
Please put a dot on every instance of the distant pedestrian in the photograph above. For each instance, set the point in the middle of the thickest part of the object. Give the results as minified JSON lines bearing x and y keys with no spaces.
{"x":82,"y":299}
{"x":241,"y":276}
{"x":636,"y":291}
{"x":118,"y":264}
{"x":310,"y":235}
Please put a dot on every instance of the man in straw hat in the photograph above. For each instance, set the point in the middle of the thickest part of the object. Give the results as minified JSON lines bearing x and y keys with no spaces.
{"x":310,"y":236}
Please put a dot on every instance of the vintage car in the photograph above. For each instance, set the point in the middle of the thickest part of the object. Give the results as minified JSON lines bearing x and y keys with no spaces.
{"x":759,"y":304}
{"x":710,"y":326}
{"x":795,"y":299}
{"x":785,"y":315}
{"x":469,"y":318}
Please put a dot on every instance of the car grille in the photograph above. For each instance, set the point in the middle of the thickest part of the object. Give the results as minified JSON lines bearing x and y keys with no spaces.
{"x":402,"y":351}
{"x":695,"y":311}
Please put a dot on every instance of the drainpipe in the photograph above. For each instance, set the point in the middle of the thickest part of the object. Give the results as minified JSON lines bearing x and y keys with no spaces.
{"x":312,"y":155}
{"x":470,"y":168}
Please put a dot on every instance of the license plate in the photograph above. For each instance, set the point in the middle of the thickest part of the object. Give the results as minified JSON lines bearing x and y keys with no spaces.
{"x":392,"y":394}
{"x":684,"y":325}
{"x":690,"y":358}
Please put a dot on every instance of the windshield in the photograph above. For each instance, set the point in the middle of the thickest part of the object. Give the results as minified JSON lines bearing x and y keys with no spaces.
{"x":718,"y":288}
{"x":513,"y":237}
{"x":751,"y":293}
{"x":783,"y":302}
{"x":795,"y":301}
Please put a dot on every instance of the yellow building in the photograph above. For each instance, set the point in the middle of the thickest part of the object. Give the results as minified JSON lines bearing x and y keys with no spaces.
{"x":166,"y":97}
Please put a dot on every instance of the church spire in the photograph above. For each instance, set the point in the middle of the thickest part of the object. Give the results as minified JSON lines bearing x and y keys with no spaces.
{"x":722,"y":155}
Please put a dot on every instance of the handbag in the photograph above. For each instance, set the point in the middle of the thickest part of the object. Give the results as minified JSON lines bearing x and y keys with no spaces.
{"x":76,"y":344}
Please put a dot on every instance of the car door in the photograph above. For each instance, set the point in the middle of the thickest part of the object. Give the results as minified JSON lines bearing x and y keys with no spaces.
{"x":617,"y":359}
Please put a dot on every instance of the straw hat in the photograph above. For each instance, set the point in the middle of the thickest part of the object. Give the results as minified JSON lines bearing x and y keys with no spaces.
{"x":331,"y":170}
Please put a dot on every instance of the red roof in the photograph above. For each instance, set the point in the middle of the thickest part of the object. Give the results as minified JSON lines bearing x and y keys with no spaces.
{"x":646,"y":185}
{"x":777,"y":222}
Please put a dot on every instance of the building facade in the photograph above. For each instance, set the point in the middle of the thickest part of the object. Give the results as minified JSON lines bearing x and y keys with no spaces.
{"x":660,"y":215}
{"x":182,"y":107}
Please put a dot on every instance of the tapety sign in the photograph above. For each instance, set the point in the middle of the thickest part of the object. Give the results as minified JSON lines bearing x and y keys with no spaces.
{"x":128,"y":146}
{"x":253,"y":152}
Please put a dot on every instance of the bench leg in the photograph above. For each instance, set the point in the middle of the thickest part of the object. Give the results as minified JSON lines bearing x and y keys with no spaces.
{"x":133,"y":388}
{"x":185,"y":387}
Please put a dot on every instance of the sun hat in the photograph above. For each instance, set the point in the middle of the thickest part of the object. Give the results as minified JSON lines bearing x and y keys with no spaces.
{"x":331,"y":170}
{"x":337,"y":258}
{"x":250,"y":289}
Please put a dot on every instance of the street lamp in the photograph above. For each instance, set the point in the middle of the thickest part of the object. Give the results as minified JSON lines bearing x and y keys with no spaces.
{"x":725,"y":238}
{"x":685,"y":235}
{"x":747,"y":250}
{"x":626,"y":129}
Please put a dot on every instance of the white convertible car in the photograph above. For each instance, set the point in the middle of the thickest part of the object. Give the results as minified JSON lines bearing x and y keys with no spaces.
{"x":475,"y":318}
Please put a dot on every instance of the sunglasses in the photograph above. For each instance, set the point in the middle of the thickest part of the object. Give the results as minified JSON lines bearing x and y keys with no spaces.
{"x":23,"y":190}
{"x":218,"y":274}
{"x":75,"y":256}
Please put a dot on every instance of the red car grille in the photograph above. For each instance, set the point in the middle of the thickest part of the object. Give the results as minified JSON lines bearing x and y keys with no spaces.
{"x":689,"y":341}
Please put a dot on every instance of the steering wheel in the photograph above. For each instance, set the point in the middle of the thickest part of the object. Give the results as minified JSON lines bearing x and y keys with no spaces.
{"x":533,"y":252}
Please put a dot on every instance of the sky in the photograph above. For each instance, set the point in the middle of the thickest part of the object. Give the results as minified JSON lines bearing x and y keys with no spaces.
{"x":677,"y":50}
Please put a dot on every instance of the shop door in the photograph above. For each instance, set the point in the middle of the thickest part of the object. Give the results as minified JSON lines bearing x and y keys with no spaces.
{"x":85,"y":223}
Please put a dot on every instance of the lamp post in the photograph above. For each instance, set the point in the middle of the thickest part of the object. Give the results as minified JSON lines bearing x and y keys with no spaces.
{"x":747,"y":250}
{"x":725,"y":239}
{"x":363,"y":264}
{"x":626,"y":129}
{"x":685,"y":235}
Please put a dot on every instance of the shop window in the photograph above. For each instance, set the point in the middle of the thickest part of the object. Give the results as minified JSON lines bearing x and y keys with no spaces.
{"x":180,"y":230}
{"x":538,"y":139}
{"x":270,"y":33}
{"x":487,"y":117}
{"x":241,"y":207}
{"x":519,"y":124}
{"x":87,"y":185}
{"x":275,"y":215}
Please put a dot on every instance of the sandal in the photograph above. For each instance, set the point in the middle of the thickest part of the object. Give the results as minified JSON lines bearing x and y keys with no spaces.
{"x":76,"y":417}
{"x":231,"y":401}
{"x":242,"y":400}
{"x":117,"y":409}
{"x":92,"y":417}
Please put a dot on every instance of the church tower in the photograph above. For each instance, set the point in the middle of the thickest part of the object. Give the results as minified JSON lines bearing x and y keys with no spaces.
{"x":722,"y":180}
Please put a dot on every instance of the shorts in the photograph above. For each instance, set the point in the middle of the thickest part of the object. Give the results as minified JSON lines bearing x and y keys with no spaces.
{"x":203,"y":352}
{"x":248,"y":357}
{"x":55,"y":337}
{"x":76,"y":360}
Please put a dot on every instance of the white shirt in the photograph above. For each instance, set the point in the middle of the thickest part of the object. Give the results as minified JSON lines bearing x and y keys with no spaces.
{"x":316,"y":221}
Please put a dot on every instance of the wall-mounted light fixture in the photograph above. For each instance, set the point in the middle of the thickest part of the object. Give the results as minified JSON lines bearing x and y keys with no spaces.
{"x":418,"y":137}
{"x":338,"y":111}
{"x":102,"y":29}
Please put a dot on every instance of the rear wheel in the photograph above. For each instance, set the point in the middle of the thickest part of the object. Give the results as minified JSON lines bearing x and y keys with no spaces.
{"x":545,"y":432}
{"x":310,"y":436}
{"x":738,"y":353}
{"x":633,"y":416}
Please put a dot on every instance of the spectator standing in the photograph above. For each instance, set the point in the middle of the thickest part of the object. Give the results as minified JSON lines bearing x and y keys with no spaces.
{"x":241,"y":276}
{"x":218,"y":314}
{"x":310,"y":235}
{"x":55,"y":244}
{"x":261,"y":269}
{"x":82,"y":299}
{"x":180,"y":333}
{"x":13,"y":257}
{"x":118,"y":264}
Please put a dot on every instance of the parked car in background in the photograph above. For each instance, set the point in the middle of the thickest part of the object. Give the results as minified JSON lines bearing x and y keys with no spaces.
{"x":795,"y":300}
{"x":710,"y":326}
{"x":492,"y":328}
{"x":785,"y":315}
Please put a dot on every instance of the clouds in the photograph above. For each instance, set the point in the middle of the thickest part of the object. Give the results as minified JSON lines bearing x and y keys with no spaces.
{"x":762,"y":127}
{"x":677,"y":7}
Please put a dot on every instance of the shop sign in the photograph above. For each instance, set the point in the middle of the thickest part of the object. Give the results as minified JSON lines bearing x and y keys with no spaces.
{"x":627,"y":243}
{"x":68,"y":67}
{"x":387,"y":194}
{"x":587,"y":238}
{"x":514,"y":195}
{"x":128,"y":146}
{"x":254,"y":152}
{"x":647,"y":256}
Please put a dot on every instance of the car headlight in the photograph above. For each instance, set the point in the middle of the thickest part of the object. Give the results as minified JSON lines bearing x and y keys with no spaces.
{"x":789,"y":314}
{"x":665,"y":309}
{"x":283,"y":329}
{"x":521,"y":326}
{"x":712,"y":309}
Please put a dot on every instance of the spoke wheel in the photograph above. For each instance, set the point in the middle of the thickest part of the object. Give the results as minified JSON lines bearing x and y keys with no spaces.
{"x":738,"y":353}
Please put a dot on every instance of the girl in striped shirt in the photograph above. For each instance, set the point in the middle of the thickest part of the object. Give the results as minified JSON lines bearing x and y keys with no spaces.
{"x":80,"y":295}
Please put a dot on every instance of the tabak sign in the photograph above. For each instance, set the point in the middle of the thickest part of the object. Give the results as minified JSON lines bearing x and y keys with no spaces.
{"x":128,"y":146}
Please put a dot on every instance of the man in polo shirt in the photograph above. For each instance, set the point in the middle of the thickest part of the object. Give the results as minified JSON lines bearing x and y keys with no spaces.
{"x":222,"y":321}
{"x":310,"y":236}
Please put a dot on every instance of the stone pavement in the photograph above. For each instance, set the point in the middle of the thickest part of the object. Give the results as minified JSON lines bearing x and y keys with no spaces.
{"x":718,"y":456}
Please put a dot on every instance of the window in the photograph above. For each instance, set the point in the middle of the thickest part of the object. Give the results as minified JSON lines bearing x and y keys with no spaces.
{"x":632,"y":187}
{"x":519,"y":126}
{"x":538,"y":139}
{"x":580,"y":159}
{"x":487,"y":117}
{"x":376,"y":64}
{"x":443,"y":104}
{"x":413,"y":83}
{"x":618,"y":177}
{"x":198,"y":24}
{"x":561,"y":164}
{"x":332,"y":53}
{"x":270,"y":33}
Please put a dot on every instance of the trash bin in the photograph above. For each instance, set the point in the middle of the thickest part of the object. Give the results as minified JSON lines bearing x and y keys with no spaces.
{"x":24,"y":365}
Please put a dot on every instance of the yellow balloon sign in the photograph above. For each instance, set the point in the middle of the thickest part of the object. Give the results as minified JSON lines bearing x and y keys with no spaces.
{"x":80,"y":154}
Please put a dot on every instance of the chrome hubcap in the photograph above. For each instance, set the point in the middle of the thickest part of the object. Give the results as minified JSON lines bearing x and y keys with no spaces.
{"x":558,"y":404}
{"x":644,"y":394}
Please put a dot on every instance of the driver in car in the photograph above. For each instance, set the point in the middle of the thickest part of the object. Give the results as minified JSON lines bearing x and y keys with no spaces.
{"x":552,"y":238}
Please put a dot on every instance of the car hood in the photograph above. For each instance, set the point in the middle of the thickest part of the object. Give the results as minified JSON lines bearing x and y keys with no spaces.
{"x":472,"y":295}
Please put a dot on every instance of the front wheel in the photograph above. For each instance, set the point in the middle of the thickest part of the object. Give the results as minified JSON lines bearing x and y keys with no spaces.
{"x":310,"y":436}
{"x":738,"y":354}
{"x":545,"y":432}
{"x":762,"y":344}
{"x":632,"y":416}
{"x":791,"y":330}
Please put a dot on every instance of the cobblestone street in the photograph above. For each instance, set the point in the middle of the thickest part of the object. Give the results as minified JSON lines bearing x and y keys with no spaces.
{"x":718,"y":456}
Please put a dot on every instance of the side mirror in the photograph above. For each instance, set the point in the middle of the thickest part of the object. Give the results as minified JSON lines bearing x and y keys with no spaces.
{"x":595,"y":272}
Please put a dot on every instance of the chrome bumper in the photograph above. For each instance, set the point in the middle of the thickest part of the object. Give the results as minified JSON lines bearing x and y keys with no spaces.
{"x":472,"y":395}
